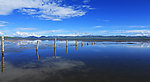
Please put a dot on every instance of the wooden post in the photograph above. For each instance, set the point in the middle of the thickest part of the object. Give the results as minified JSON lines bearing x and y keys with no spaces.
{"x":55,"y":42}
{"x":82,"y":44}
{"x":37,"y":46}
{"x":66,"y":43}
{"x":76,"y":42}
{"x":87,"y":43}
{"x":2,"y":63}
{"x":94,"y":43}
{"x":2,"y":43}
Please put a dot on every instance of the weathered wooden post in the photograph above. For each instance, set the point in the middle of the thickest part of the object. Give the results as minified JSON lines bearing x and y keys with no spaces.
{"x":87,"y":43}
{"x":2,"y":43}
{"x":76,"y":42}
{"x":55,"y":42}
{"x":81,"y":44}
{"x":94,"y":43}
{"x":37,"y":54}
{"x":66,"y":43}
{"x":54,"y":52}
{"x":2,"y":63}
{"x":37,"y":45}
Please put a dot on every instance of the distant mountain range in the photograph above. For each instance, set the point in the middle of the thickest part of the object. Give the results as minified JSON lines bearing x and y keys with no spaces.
{"x":89,"y":37}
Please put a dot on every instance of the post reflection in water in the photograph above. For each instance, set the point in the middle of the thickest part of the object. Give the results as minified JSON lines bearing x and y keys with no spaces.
{"x":2,"y":63}
{"x":54,"y":52}
{"x":66,"y":49}
{"x":37,"y":54}
{"x":76,"y":48}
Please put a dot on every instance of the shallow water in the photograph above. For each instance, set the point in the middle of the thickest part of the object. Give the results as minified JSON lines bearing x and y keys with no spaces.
{"x":99,"y":62}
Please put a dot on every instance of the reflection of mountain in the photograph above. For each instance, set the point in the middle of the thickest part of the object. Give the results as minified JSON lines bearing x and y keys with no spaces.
{"x":26,"y":42}
{"x":143,"y":45}
{"x":37,"y":72}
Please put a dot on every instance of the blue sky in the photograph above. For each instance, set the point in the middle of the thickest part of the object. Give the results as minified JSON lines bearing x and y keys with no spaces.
{"x":74,"y":17}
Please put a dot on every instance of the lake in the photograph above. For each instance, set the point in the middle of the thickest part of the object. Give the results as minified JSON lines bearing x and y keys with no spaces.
{"x":99,"y":62}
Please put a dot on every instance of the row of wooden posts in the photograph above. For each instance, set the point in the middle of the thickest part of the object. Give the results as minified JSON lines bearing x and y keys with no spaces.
{"x":66,"y":44}
{"x":2,"y":49}
{"x":2,"y":44}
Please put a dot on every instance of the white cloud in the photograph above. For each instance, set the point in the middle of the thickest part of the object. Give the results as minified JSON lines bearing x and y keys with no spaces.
{"x":25,"y":34}
{"x":137,"y":31}
{"x":1,"y":33}
{"x":38,"y":33}
{"x":2,"y":23}
{"x":22,"y":28}
{"x":138,"y":26}
{"x":66,"y":35}
{"x":73,"y":34}
{"x":106,"y":20}
{"x":46,"y":9}
{"x":98,"y":26}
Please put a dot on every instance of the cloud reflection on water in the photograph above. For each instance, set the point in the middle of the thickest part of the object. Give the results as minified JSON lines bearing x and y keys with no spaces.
{"x":38,"y":71}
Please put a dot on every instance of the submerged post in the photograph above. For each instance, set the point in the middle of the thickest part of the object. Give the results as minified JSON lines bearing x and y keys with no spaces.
{"x":94,"y":43}
{"x":2,"y":43}
{"x":55,"y":42}
{"x":66,"y":43}
{"x":37,"y":46}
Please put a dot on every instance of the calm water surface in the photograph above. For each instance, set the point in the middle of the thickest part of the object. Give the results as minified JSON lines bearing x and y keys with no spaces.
{"x":99,"y":62}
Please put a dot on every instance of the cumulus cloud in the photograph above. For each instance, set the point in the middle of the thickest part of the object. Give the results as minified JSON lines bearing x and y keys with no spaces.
{"x":54,"y":10}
